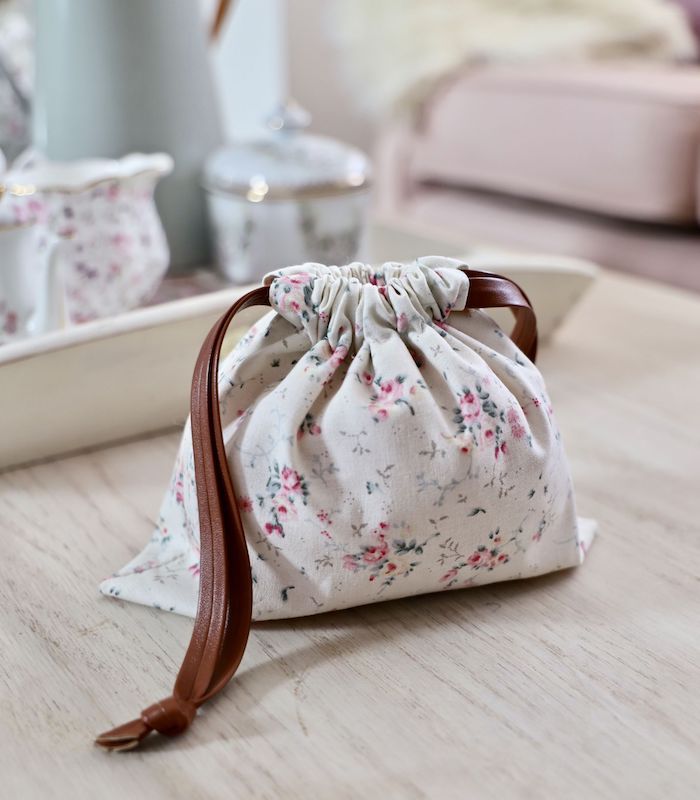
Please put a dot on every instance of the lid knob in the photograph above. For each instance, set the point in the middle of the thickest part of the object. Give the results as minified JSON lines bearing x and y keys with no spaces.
{"x":289,"y":117}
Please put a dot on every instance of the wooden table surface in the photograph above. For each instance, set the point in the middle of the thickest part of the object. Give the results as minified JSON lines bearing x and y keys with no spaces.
{"x":581,"y":684}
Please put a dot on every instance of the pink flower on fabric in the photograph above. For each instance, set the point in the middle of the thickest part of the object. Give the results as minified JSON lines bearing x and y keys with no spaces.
{"x":350,"y":563}
{"x":485,"y":558}
{"x":271,"y":528}
{"x":375,"y":553}
{"x":516,"y":426}
{"x":299,"y":279}
{"x":245,"y":503}
{"x":389,"y":393}
{"x":386,"y":560}
{"x":289,"y":291}
{"x":308,"y":425}
{"x":339,"y":355}
{"x":313,"y":430}
{"x":291,"y":481}
{"x":470,"y":406}
{"x":179,"y":492}
{"x":449,"y":575}
{"x":283,"y":508}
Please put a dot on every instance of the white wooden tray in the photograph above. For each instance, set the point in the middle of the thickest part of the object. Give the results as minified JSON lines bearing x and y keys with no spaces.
{"x":129,"y":375}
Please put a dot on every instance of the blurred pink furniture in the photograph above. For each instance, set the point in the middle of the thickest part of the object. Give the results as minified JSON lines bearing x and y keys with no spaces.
{"x":598,"y":161}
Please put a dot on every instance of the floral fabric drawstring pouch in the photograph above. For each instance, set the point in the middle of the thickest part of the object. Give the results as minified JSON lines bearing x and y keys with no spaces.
{"x":383,"y":438}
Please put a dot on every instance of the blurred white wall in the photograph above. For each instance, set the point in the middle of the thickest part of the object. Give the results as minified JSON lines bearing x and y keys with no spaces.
{"x":271,"y":48}
{"x":317,"y":77}
{"x":250,"y":60}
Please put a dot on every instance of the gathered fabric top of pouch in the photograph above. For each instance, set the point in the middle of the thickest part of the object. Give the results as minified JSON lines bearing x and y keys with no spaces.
{"x":347,"y":304}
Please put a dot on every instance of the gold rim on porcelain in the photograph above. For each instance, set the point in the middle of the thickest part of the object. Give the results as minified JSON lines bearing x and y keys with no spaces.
{"x":24,"y":190}
{"x":259,"y":191}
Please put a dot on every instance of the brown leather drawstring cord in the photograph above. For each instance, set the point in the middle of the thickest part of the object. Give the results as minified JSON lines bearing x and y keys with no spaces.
{"x":224,"y":609}
{"x":487,"y":290}
{"x":225,"y":603}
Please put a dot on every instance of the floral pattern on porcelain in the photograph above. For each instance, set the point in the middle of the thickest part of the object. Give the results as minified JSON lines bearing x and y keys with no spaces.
{"x":114,"y":253}
{"x":383,"y":442}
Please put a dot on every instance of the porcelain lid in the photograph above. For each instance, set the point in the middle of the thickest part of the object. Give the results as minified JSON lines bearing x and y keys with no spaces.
{"x":287,"y":163}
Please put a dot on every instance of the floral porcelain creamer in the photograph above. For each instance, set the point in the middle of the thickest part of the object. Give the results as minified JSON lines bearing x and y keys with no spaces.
{"x":114,"y":252}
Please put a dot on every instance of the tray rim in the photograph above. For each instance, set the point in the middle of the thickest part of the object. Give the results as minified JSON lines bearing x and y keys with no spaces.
{"x":119,"y":324}
{"x":482,"y":255}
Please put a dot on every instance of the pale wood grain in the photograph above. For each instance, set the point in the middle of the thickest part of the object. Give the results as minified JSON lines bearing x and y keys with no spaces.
{"x":582,"y":684}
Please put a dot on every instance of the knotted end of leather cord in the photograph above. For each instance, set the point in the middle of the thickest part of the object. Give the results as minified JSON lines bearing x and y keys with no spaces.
{"x":169,"y":717}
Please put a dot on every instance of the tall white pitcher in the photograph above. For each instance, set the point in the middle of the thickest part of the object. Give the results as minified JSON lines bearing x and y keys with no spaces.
{"x":118,"y":76}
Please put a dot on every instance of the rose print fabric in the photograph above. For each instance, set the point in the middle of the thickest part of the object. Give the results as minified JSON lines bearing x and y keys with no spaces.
{"x":383,"y":442}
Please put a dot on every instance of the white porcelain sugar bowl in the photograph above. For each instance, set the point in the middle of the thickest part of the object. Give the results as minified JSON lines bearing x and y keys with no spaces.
{"x":287,"y":198}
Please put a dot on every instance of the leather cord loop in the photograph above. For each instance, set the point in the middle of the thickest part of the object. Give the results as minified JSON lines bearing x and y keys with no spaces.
{"x":225,"y":605}
{"x":487,"y":290}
